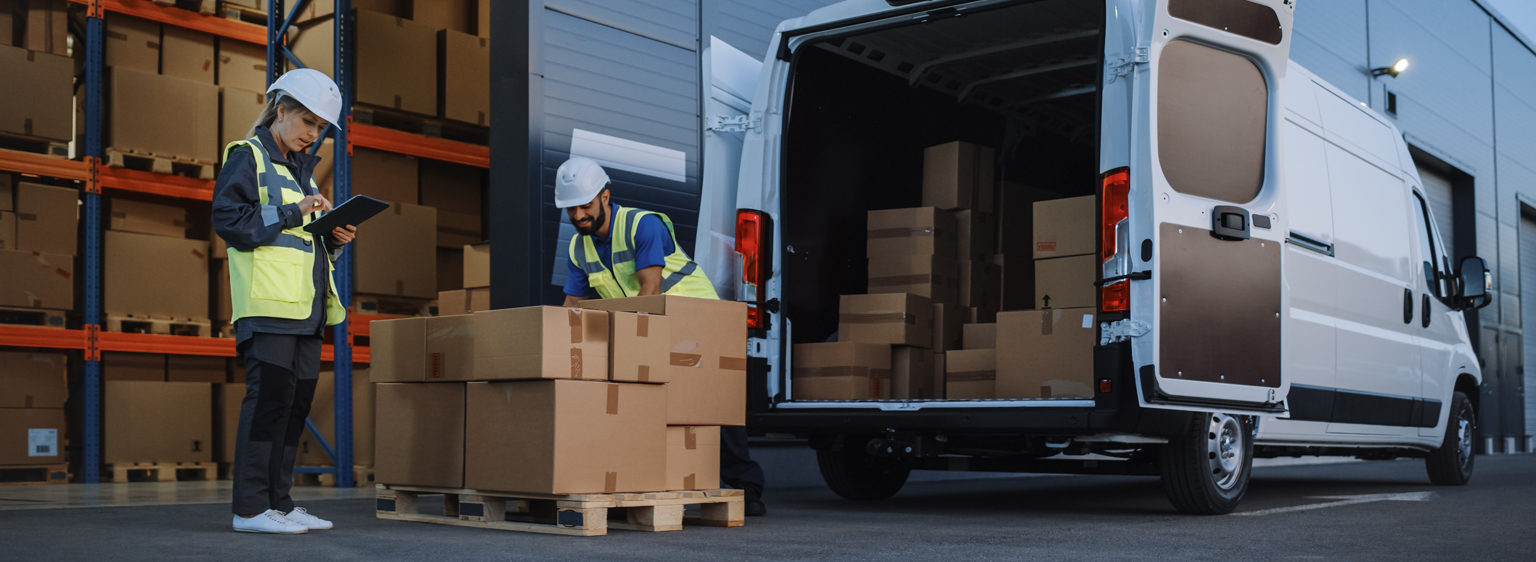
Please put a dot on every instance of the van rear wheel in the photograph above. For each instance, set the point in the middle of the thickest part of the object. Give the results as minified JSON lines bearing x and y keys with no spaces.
{"x":1451,"y":464}
{"x":854,"y":475}
{"x":1206,"y":470}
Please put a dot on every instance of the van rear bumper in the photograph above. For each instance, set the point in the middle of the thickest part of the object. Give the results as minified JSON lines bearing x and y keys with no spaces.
{"x":1026,"y":420}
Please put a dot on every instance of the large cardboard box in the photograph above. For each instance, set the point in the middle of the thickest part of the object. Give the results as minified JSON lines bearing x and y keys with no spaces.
{"x":243,"y":66}
{"x":36,"y":280}
{"x":477,"y":265}
{"x":322,"y":411}
{"x":324,"y":8}
{"x":226,"y":419}
{"x":454,"y":15}
{"x":980,"y":284}
{"x":42,"y":109}
{"x":32,"y":436}
{"x":140,"y":107}
{"x":157,"y":422}
{"x":958,"y":175}
{"x":921,"y":231}
{"x":398,"y":350}
{"x":187,"y":54}
{"x":33,"y":380}
{"x":46,"y":218}
{"x":693,"y":457}
{"x":893,"y":319}
{"x":912,"y":373}
{"x":7,"y":230}
{"x":639,"y":347}
{"x":1067,"y":282}
{"x":454,"y":190}
{"x":241,"y":108}
{"x":841,"y":371}
{"x":394,"y":252}
{"x":450,"y":267}
{"x":975,"y":234}
{"x":386,"y":176}
{"x":148,"y":218}
{"x":135,"y":268}
{"x":948,"y":320}
{"x":464,"y":77}
{"x":314,"y":42}
{"x":47,"y":27}
{"x":566,"y":437}
{"x":1066,"y":227}
{"x":396,"y":64}
{"x":980,"y":336}
{"x":196,"y":368}
{"x":451,"y":348}
{"x":484,"y":18}
{"x":463,"y":301}
{"x":132,"y":42}
{"x":1049,"y":353}
{"x":123,"y":366}
{"x":970,"y":374}
{"x":541,"y":342}
{"x":707,"y":382}
{"x":932,"y":277}
{"x":419,"y":434}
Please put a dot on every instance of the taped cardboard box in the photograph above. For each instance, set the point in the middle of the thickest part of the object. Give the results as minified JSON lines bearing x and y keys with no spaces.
{"x":841,"y":371}
{"x":196,"y":368}
{"x":419,"y":434}
{"x":46,"y":218}
{"x":398,"y":350}
{"x":7,"y":230}
{"x":42,"y":109}
{"x":980,"y":284}
{"x":975,"y":234}
{"x":639,"y":347}
{"x":477,"y":265}
{"x":123,"y":366}
{"x":463,"y":301}
{"x":396,"y":65}
{"x":1067,"y":282}
{"x":243,"y":66}
{"x":455,"y":15}
{"x":314,"y":42}
{"x":932,"y":277}
{"x":132,"y":42}
{"x":322,"y":412}
{"x":157,"y":422}
{"x":394,"y":251}
{"x":541,"y":342}
{"x":912,"y":373}
{"x":892,"y":319}
{"x":47,"y":27}
{"x":947,"y":322}
{"x":566,"y":437}
{"x":187,"y":54}
{"x":464,"y":77}
{"x":970,"y":374}
{"x":33,"y":380}
{"x":140,"y":107}
{"x":920,"y":231}
{"x":33,"y":280}
{"x":32,"y":436}
{"x":241,"y":108}
{"x":454,"y":190}
{"x":148,"y":218}
{"x":1049,"y":353}
{"x":1066,"y":227}
{"x":693,"y":457}
{"x":958,"y":175}
{"x":134,"y":270}
{"x":451,"y":348}
{"x":324,"y":8}
{"x":707,"y":383}
{"x":980,"y":336}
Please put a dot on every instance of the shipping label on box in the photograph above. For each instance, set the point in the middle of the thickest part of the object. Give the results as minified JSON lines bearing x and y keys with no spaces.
{"x":970,"y":374}
{"x":892,"y":319}
{"x":1066,"y":227}
{"x":451,"y":348}
{"x":36,"y":280}
{"x":419,"y":434}
{"x":841,"y":371}
{"x":932,"y":277}
{"x":921,"y":231}
{"x":957,"y":176}
{"x":912,"y":373}
{"x":947,"y":322}
{"x":33,"y":380}
{"x":693,"y":457}
{"x":1046,"y":353}
{"x":640,"y":347}
{"x":1067,"y":282}
{"x":541,"y":342}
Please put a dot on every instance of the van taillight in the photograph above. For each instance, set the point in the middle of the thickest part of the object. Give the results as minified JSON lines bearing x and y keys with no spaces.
{"x":1114,"y":207}
{"x":754,"y":242}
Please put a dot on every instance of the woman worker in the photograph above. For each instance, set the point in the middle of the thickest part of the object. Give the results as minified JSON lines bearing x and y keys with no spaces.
{"x":281,"y":290}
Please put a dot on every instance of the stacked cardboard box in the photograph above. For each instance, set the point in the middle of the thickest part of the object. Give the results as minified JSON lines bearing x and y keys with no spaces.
{"x":474,"y":274}
{"x":37,"y":244}
{"x":34,"y":51}
{"x":157,"y":421}
{"x":32,"y":408}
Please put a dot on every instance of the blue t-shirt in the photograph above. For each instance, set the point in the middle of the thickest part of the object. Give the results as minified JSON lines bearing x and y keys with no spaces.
{"x":653,"y":243}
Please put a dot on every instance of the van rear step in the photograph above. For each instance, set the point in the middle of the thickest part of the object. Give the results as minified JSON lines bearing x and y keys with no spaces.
{"x":582,"y":515}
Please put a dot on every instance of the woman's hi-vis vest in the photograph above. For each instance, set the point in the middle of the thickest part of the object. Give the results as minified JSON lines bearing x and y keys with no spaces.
{"x":277,"y":280}
{"x":679,"y":275}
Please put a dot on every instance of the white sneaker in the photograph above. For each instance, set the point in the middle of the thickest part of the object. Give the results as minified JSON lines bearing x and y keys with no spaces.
{"x":270,"y":521}
{"x":301,"y":516}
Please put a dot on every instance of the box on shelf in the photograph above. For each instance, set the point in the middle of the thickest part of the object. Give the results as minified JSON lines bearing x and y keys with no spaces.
{"x":124,"y":366}
{"x":980,"y":336}
{"x":970,"y":374}
{"x":33,"y":380}
{"x":912,"y":373}
{"x":639,"y":347}
{"x":164,"y":116}
{"x":1049,"y":353}
{"x":893,"y":319}
{"x":541,"y":342}
{"x":226,"y":419}
{"x":454,"y":190}
{"x":36,"y":280}
{"x":394,"y":252}
{"x":187,"y":54}
{"x":396,"y":65}
{"x":464,"y":77}
{"x":148,"y":218}
{"x":1067,"y":282}
{"x":484,"y":18}
{"x":451,"y":348}
{"x":419,"y":434}
{"x":958,"y":175}
{"x":477,"y":265}
{"x":46,"y":218}
{"x":693,"y":457}
{"x":932,"y":277}
{"x":42,"y":109}
{"x":196,"y":368}
{"x":47,"y":28}
{"x":32,"y":436}
{"x":134,"y":270}
{"x":1066,"y":227}
{"x":450,"y":269}
{"x":322,"y":412}
{"x":975,"y":234}
{"x":241,"y":108}
{"x":454,"y":15}
{"x":243,"y":66}
{"x":463,"y":301}
{"x":157,"y":422}
{"x":980,"y":284}
{"x":386,"y":176}
{"x":398,"y":350}
{"x":920,"y":231}
{"x":134,"y":43}
{"x":842,"y":370}
{"x":324,"y":8}
{"x":224,"y":308}
{"x":947,"y":322}
{"x":7,"y":230}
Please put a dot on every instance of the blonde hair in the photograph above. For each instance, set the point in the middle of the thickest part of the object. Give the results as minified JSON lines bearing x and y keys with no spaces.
{"x":269,"y":113}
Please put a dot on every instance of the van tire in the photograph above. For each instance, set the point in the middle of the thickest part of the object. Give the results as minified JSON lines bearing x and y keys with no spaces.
{"x":1205,"y":471}
{"x":1451,"y":464}
{"x":855,"y":475}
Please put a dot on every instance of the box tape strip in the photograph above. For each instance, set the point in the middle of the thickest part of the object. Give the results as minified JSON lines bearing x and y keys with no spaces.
{"x":733,"y":363}
{"x":645,"y":374}
{"x":1045,"y":323}
{"x":896,"y":280}
{"x":575,"y":362}
{"x":686,"y":359}
{"x":909,"y":232}
{"x":613,"y":400}
{"x":690,"y":436}
{"x":574,"y":317}
{"x":689,"y":482}
{"x":970,"y":376}
{"x":610,"y":482}
{"x":643,"y":326}
{"x":877,"y":318}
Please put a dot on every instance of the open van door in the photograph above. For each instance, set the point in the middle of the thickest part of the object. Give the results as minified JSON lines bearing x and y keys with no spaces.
{"x":1208,"y":106}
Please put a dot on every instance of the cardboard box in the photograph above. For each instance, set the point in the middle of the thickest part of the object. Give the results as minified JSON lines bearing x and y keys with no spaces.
{"x":36,"y":280}
{"x":639,"y":347}
{"x":322,"y":412}
{"x":477,"y":265}
{"x":484,"y":19}
{"x":947,"y":322}
{"x":187,"y":54}
{"x":566,"y":437}
{"x":135,"y":268}
{"x":324,"y":8}
{"x":451,"y":348}
{"x":464,"y":77}
{"x":42,"y":109}
{"x":450,"y":268}
{"x":398,"y":350}
{"x":393,"y":250}
{"x":931,"y":277}
{"x":386,"y":176}
{"x":196,"y":368}
{"x":912,"y":373}
{"x":922,"y":231}
{"x":980,"y":284}
{"x":227,"y":399}
{"x":980,"y":336}
{"x":46,"y":218}
{"x":981,"y":316}
{"x":958,"y":175}
{"x":243,"y":66}
{"x":975,"y":234}
{"x":970,"y":374}
{"x":47,"y":27}
{"x":157,"y":422}
{"x":893,"y":319}
{"x":841,"y":371}
{"x":224,"y":309}
{"x":148,"y":218}
{"x":938,"y":375}
{"x":454,"y":15}
{"x":7,"y":189}
{"x":463,"y":301}
{"x":122,"y":366}
{"x":541,"y":342}
{"x":693,"y":457}
{"x":241,"y":108}
{"x":132,"y":42}
{"x":32,"y":436}
{"x":707,"y":382}
{"x":419,"y":434}
{"x":1049,"y":353}
{"x":454,"y":190}
{"x":396,"y":64}
{"x":314,"y":42}
{"x":1067,"y":282}
{"x":7,"y":230}
{"x":33,"y":380}
{"x":1066,"y":227}
{"x":140,"y":106}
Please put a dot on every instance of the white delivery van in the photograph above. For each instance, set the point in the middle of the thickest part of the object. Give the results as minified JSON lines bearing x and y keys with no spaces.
{"x":1272,"y":281}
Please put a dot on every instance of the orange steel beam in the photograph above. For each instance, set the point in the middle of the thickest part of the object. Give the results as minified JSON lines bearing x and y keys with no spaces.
{"x":159,"y":184}
{"x":419,"y":146}
{"x":216,"y":25}
{"x":38,"y":164}
{"x":33,"y":336}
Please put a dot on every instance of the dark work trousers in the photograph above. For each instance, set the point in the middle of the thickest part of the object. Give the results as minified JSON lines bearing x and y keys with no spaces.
{"x":281,"y":373}
{"x":737,"y":469}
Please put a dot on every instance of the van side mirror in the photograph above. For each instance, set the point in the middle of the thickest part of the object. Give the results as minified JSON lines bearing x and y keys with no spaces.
{"x":1474,"y":283}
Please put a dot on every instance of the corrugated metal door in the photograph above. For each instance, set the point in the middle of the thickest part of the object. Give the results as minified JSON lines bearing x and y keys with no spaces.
{"x":1437,"y":188}
{"x":1528,"y":314}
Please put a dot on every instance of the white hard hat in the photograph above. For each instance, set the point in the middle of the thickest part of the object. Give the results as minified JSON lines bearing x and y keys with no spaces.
{"x":578,"y":181}
{"x":312,"y":88}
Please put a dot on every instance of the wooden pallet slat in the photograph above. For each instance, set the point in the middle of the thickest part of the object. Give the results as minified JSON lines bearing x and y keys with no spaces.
{"x":575,"y":514}
{"x":35,"y":145}
{"x":162,"y":471}
{"x":165,"y":326}
{"x":32,"y":317}
{"x":34,"y":474}
{"x":158,"y":164}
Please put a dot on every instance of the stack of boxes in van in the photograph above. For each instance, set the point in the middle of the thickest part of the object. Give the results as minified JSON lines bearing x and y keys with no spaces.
{"x":32,"y":410}
{"x":37,"y":248}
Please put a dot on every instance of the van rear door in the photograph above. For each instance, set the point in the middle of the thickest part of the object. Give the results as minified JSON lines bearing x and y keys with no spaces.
{"x":1208,"y":108}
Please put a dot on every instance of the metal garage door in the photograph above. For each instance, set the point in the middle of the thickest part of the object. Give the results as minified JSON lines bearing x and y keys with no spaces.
{"x":1437,"y":188}
{"x":1528,"y":314}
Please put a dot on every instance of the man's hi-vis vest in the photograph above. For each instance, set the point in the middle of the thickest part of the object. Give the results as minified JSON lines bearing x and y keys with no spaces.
{"x":679,"y":275}
{"x":277,"y":280}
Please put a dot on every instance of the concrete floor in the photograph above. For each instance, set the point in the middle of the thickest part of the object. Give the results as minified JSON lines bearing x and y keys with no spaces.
{"x":1293,"y":512}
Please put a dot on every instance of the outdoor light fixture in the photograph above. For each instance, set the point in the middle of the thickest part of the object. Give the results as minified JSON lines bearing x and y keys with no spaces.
{"x":1394,"y":70}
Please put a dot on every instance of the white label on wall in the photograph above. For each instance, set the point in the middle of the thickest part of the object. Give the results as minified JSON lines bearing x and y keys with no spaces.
{"x":42,"y":442}
{"x":630,"y":156}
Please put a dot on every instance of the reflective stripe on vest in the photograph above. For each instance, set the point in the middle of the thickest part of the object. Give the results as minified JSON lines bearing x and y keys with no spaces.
{"x":680,"y":275}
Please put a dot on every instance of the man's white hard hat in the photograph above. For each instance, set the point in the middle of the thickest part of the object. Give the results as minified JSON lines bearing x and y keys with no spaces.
{"x":578,"y":181}
{"x":312,"y":88}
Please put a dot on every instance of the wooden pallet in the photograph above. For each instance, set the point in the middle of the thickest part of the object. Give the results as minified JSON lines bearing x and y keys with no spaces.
{"x":32,"y":317}
{"x":162,"y":471}
{"x":204,"y":7}
{"x":583,"y":515}
{"x":146,"y":162}
{"x":393,"y":306}
{"x":245,"y":14}
{"x":428,"y":126}
{"x":141,"y":324}
{"x":34,"y":474}
{"x":34,"y":145}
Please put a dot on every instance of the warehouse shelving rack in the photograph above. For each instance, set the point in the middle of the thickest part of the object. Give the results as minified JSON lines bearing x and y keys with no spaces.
{"x":93,"y":176}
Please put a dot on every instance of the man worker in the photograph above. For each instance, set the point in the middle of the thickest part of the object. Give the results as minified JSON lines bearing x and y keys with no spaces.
{"x":649,"y":262}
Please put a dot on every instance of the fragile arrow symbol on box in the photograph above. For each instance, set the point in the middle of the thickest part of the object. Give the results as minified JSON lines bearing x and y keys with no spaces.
{"x":1346,"y":500}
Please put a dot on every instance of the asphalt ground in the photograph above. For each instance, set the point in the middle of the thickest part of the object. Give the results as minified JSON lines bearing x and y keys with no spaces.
{"x":1354,"y":511}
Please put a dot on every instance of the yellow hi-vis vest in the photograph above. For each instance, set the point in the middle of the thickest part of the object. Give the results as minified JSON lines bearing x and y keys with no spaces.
{"x":277,"y":280}
{"x":679,"y":275}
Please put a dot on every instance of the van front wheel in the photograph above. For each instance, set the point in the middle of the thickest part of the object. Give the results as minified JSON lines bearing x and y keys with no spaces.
{"x":1451,"y":464}
{"x":1205,"y":471}
{"x":854,"y":475}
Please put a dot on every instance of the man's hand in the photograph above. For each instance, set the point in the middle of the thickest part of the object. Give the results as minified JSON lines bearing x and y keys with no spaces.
{"x":314,"y":203}
{"x":340,"y":236}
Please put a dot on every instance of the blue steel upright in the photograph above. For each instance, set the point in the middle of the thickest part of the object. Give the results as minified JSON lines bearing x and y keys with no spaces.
{"x":95,"y":30}
{"x":341,"y":190}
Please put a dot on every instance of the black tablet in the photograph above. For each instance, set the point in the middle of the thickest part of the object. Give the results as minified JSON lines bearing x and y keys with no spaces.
{"x":356,"y":210}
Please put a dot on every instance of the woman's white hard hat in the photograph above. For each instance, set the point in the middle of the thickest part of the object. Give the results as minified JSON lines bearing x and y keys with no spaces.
{"x":578,"y":181}
{"x":312,"y":88}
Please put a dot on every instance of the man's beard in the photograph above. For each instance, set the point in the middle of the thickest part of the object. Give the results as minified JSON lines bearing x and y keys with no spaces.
{"x":597,"y":223}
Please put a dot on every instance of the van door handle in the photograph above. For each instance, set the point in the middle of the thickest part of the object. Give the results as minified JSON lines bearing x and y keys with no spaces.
{"x":1424,"y":310}
{"x":1407,"y":306}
